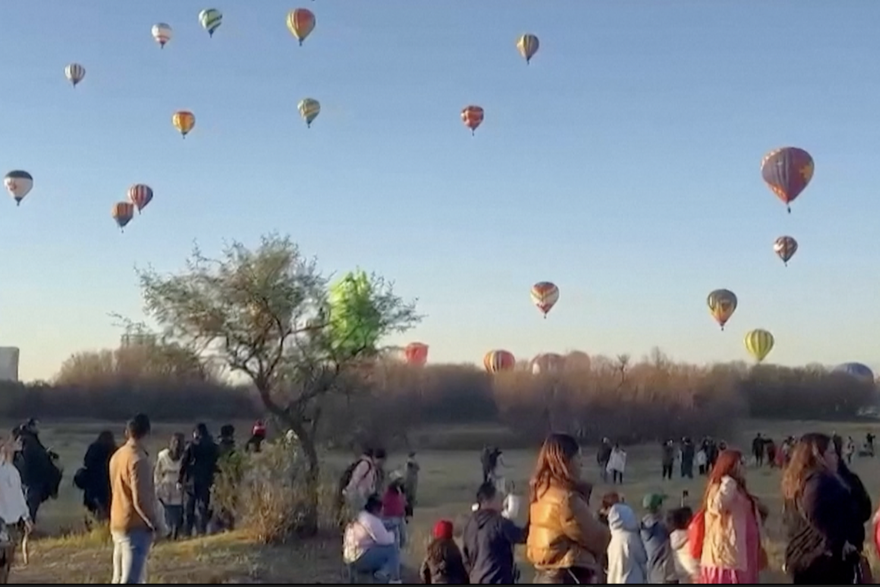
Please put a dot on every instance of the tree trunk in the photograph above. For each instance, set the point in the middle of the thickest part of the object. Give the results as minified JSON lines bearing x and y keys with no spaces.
{"x":309,"y":526}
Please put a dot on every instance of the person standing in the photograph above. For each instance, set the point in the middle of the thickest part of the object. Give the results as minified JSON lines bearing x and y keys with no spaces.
{"x":687,"y":458}
{"x":411,"y":483}
{"x":603,"y":455}
{"x":13,"y":507}
{"x":667,"y":460}
{"x":94,"y":476}
{"x":617,"y":464}
{"x":133,"y":519}
{"x":166,"y":477}
{"x":197,"y":472}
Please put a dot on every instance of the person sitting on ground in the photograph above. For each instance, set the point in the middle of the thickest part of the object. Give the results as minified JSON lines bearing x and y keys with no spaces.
{"x":443,"y":564}
{"x":368,"y":547}
{"x":687,"y":568}
{"x":489,"y":540}
{"x":627,"y":559}
{"x":655,"y":535}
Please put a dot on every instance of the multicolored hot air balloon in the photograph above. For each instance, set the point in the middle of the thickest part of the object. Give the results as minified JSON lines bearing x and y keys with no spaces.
{"x":122,"y":213}
{"x":210,"y":19}
{"x":722,"y":305}
{"x":309,"y":109}
{"x":497,"y":361}
{"x":140,"y":195}
{"x":183,"y":121}
{"x":162,"y":33}
{"x":785,"y":247}
{"x":545,"y":295}
{"x":19,"y":184}
{"x":788,"y":172}
{"x":74,"y":73}
{"x":528,"y":45}
{"x":301,"y":22}
{"x":416,"y":353}
{"x":759,"y":343}
{"x":547,"y":363}
{"x":472,"y":117}
{"x":857,"y":370}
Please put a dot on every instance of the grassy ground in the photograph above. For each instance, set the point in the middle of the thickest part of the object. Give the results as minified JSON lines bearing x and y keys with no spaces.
{"x":447,"y":484}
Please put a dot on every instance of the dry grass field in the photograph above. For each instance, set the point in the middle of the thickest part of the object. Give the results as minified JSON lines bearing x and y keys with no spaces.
{"x":449,"y":479}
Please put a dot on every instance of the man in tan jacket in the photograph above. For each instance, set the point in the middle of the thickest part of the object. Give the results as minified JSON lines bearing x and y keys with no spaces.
{"x":133,"y":519}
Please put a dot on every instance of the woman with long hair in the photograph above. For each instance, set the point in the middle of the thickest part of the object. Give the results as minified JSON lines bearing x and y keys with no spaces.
{"x":732,"y":551}
{"x":566,"y":543}
{"x":820,"y":516}
{"x":14,"y":514}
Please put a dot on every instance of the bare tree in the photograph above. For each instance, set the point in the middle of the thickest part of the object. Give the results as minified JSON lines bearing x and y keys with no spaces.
{"x":266,"y":314}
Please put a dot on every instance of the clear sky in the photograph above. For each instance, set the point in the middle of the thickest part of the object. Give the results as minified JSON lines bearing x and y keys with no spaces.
{"x":622,"y":164}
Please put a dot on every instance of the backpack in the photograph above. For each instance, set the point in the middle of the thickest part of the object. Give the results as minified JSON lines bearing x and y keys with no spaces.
{"x":349,"y":472}
{"x":696,"y":533}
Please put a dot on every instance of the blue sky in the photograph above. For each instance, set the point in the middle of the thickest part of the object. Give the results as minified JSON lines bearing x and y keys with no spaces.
{"x":622,"y":164}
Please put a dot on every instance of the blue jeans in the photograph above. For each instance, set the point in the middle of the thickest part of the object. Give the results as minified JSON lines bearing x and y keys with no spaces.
{"x":130,"y":551}
{"x":380,"y":559}
{"x":398,"y":526}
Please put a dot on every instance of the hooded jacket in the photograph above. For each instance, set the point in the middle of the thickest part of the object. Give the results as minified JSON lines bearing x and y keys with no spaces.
{"x":627,"y":559}
{"x":488,"y":540}
{"x":661,"y":564}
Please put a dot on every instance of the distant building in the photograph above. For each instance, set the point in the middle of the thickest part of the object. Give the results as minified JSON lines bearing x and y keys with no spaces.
{"x":9,"y":356}
{"x":136,"y":339}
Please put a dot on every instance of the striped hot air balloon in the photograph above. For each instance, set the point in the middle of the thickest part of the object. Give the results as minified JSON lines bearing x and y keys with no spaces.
{"x":759,"y":343}
{"x":785,"y":247}
{"x":499,"y":360}
{"x":787,"y":172}
{"x":416,"y":353}
{"x":545,"y":295}
{"x":309,"y":109}
{"x":140,"y":195}
{"x":122,"y":213}
{"x":547,"y":363}
{"x":74,"y":72}
{"x":472,"y":117}
{"x":210,"y":19}
{"x":183,"y":121}
{"x":722,"y":305}
{"x":301,"y":23}
{"x":528,"y":45}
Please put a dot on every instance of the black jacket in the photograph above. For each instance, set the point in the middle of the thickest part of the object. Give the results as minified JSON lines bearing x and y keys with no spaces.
{"x":488,"y":540}
{"x":198,"y":466}
{"x":818,"y":525}
{"x":860,"y":502}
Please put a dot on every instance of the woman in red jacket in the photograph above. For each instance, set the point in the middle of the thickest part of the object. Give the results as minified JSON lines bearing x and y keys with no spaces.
{"x":394,"y":507}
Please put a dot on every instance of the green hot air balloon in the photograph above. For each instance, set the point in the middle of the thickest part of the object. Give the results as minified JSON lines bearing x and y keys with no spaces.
{"x":355,"y":323}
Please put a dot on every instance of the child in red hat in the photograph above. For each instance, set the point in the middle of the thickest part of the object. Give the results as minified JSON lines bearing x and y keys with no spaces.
{"x":443,"y":563}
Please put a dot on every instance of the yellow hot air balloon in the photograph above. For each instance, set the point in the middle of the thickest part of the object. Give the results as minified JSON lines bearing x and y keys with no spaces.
{"x":183,"y":121}
{"x":528,"y":45}
{"x":309,"y":109}
{"x":759,"y":343}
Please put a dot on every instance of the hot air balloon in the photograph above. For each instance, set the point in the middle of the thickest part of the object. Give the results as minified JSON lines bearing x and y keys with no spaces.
{"x":497,"y":361}
{"x":183,"y":121}
{"x":416,"y":353}
{"x":309,"y":109}
{"x":140,"y":195}
{"x":544,"y":296}
{"x":857,"y":370}
{"x":210,"y":19}
{"x":547,"y":363}
{"x":759,"y":343}
{"x":74,"y":73}
{"x":722,"y":305}
{"x":528,"y":45}
{"x":787,"y":171}
{"x":577,"y":361}
{"x":785,"y":247}
{"x":301,"y":23}
{"x":122,"y":213}
{"x":162,"y":33}
{"x":18,"y":184}
{"x":472,"y":117}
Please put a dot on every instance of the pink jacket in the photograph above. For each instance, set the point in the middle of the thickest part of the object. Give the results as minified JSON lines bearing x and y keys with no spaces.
{"x":729,"y":515}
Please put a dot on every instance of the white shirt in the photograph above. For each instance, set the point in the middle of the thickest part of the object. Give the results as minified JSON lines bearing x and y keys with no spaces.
{"x":363,"y":533}
{"x":512,"y":504}
{"x":13,"y":507}
{"x":617,"y":461}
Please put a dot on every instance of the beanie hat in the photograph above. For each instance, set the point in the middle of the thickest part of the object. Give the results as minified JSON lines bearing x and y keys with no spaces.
{"x":443,"y":530}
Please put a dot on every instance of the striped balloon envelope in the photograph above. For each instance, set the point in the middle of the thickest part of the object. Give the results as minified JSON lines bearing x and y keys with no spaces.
{"x":140,"y":195}
{"x":545,"y":295}
{"x":498,"y":361}
{"x":759,"y":343}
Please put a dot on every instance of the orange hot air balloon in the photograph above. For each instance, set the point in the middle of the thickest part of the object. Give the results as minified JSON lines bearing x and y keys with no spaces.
{"x":122,"y":213}
{"x":301,"y":22}
{"x":472,"y":117}
{"x":416,"y":353}
{"x":183,"y":121}
{"x":497,"y":361}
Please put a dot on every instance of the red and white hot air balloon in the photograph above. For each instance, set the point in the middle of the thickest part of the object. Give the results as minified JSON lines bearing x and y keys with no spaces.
{"x":545,"y":295}
{"x":499,"y":360}
{"x":140,"y":195}
{"x":416,"y":353}
{"x":472,"y":117}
